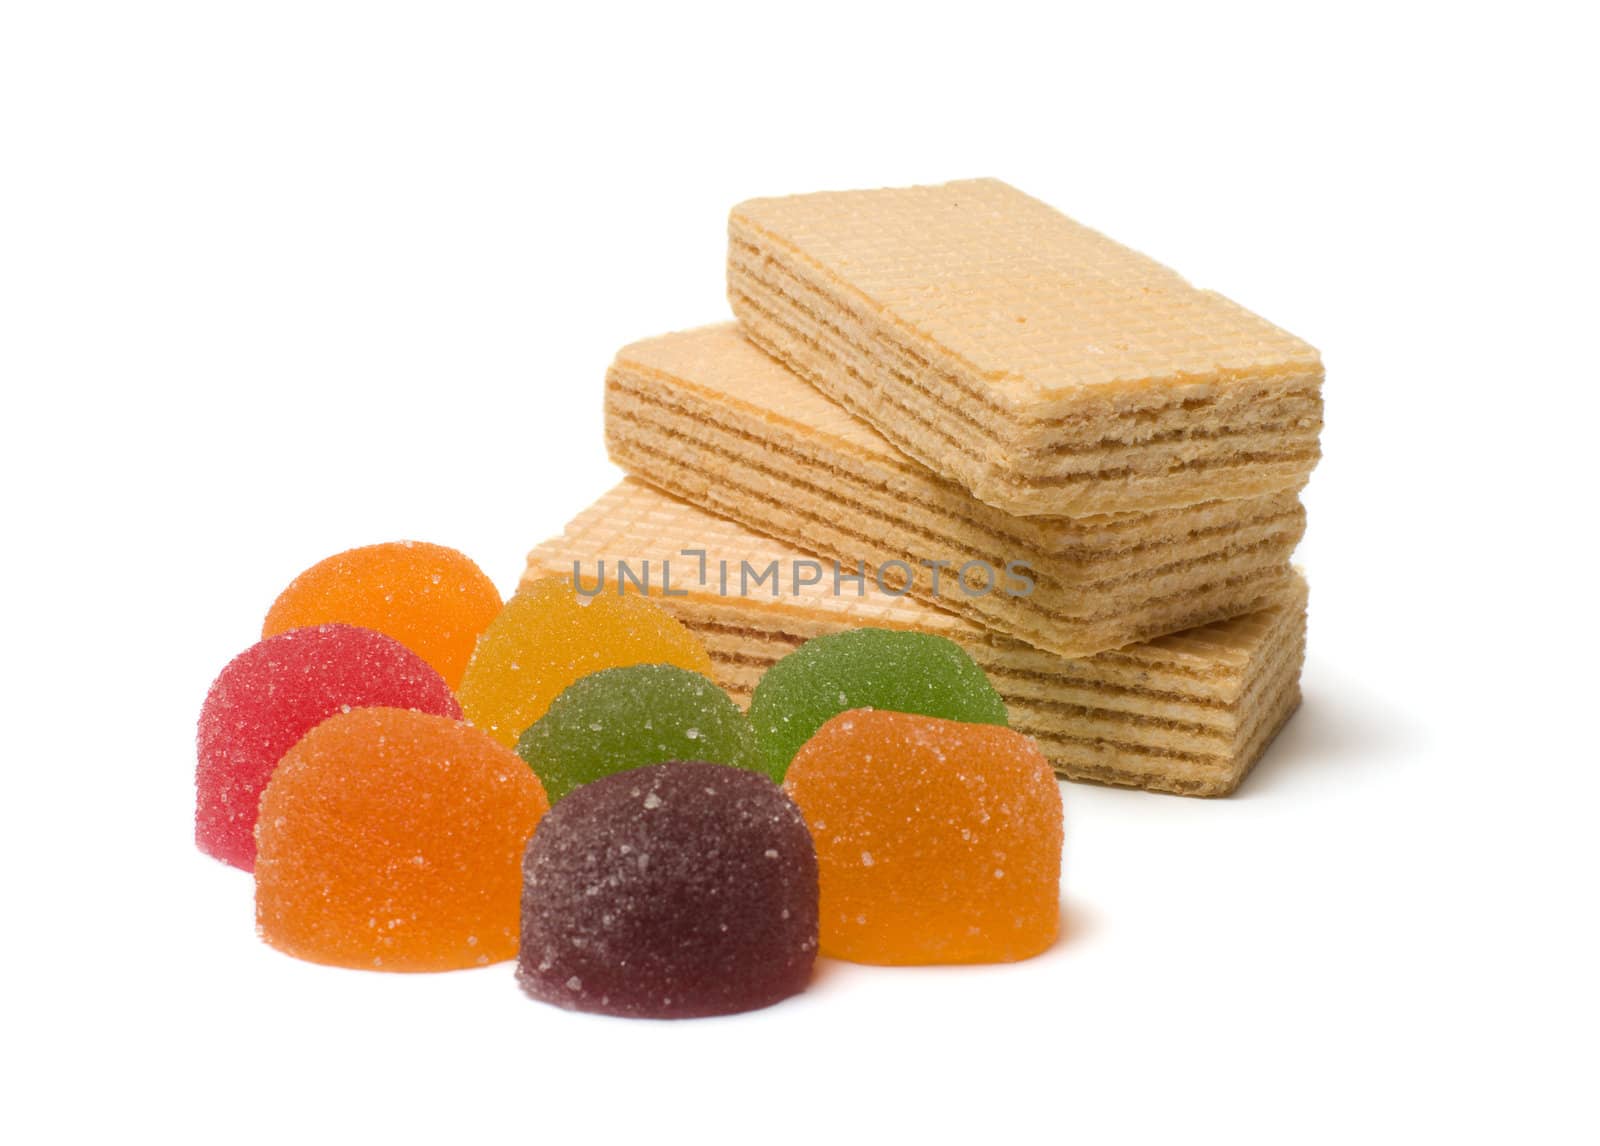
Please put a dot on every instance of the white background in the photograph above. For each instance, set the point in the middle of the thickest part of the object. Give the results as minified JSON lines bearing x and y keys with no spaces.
{"x":280,"y":279}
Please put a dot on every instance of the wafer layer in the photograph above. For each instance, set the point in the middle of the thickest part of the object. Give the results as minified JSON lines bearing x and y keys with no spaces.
{"x":1046,"y":368}
{"x":1188,"y":713}
{"x":711,"y":418}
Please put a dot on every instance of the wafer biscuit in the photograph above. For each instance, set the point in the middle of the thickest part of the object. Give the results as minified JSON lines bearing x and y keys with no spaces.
{"x":708,"y":416}
{"x":1188,"y":713}
{"x":1046,"y":368}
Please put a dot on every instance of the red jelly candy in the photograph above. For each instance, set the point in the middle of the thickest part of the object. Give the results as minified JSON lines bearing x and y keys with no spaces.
{"x":275,"y":692}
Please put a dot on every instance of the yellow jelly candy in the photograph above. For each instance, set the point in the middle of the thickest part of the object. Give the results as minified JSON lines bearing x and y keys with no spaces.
{"x":547,"y":637}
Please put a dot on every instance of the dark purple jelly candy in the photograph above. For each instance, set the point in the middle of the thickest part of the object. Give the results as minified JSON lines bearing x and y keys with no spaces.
{"x":670,"y":891}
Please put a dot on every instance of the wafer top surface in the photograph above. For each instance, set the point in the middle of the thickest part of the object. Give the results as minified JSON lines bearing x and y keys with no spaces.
{"x":1033,"y":304}
{"x":635,"y":522}
{"x":721,"y":360}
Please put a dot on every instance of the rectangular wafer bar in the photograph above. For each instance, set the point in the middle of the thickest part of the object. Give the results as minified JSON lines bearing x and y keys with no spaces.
{"x":1046,"y":368}
{"x":708,"y":416}
{"x":1188,"y":713}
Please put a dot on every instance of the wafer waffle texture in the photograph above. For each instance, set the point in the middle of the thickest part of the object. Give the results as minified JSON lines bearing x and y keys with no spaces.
{"x":1189,"y":713}
{"x":710,"y":417}
{"x":1046,"y":368}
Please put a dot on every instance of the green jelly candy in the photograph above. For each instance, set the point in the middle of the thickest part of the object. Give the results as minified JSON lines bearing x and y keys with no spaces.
{"x":622,"y":718}
{"x":888,"y":669}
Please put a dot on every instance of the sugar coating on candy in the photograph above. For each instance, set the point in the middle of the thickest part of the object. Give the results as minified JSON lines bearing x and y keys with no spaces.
{"x":937,"y":841}
{"x":432,"y":599}
{"x":392,"y":841}
{"x":548,"y":637}
{"x":623,"y":718}
{"x":671,"y":891}
{"x":867,"y":668}
{"x":271,"y":695}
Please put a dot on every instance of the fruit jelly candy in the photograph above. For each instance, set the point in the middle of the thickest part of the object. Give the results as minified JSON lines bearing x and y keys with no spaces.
{"x":391,"y":840}
{"x":670,"y":891}
{"x":547,"y":637}
{"x":431,"y":599}
{"x":271,"y":695}
{"x":623,"y":718}
{"x":867,"y":668}
{"x":938,"y":842}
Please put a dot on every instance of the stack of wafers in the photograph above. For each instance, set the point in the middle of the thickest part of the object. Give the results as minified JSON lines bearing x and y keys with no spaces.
{"x":955,"y":410}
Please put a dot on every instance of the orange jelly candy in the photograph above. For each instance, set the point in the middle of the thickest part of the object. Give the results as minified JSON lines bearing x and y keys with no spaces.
{"x":432,"y":599}
{"x":547,"y":637}
{"x":937,"y":841}
{"x":392,"y":840}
